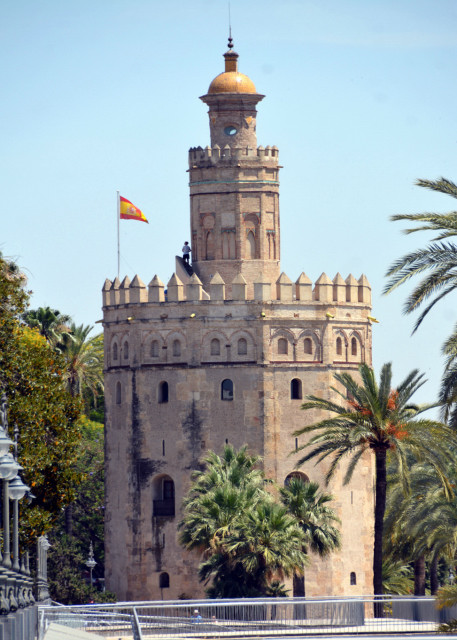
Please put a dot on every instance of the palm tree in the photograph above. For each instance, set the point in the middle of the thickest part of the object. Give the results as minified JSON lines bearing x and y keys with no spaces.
{"x":309,"y":506}
{"x":396,"y":577}
{"x":84,"y":357}
{"x":417,"y":524}
{"x":246,"y":540}
{"x":375,"y":418}
{"x":51,"y":324}
{"x":438,"y":260}
{"x":448,"y":389}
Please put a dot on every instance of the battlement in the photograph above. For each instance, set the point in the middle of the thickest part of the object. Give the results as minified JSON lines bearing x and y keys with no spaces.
{"x":324,"y":291}
{"x":216,"y":154}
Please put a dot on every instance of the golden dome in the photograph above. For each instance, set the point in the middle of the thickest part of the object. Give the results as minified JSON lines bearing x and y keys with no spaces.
{"x":232,"y":82}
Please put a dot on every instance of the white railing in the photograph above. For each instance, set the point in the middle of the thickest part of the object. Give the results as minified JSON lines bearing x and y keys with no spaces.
{"x":253,"y":617}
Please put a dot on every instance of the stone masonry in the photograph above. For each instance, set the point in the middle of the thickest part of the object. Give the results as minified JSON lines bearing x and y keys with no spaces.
{"x":224,"y":356}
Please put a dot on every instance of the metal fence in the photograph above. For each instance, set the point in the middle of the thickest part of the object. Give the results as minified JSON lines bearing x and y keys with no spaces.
{"x":253,"y":617}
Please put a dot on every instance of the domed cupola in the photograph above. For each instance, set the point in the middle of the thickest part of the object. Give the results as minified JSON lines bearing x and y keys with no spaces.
{"x":232,"y":99}
{"x":231,"y":81}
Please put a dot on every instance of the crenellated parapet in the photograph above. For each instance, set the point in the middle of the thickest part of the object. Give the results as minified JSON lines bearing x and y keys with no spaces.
{"x":325,"y":291}
{"x":199,"y":157}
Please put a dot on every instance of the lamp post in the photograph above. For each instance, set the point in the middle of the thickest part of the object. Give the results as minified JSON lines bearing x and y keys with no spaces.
{"x":17,"y":490}
{"x":5,"y":442}
{"x":8,"y":470}
{"x":91,"y":562}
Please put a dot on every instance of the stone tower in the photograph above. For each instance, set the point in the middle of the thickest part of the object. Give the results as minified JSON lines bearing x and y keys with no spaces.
{"x":234,"y":188}
{"x":225,"y":356}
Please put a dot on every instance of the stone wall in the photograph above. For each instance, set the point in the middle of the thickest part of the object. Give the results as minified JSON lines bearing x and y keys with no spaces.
{"x":166,"y":362}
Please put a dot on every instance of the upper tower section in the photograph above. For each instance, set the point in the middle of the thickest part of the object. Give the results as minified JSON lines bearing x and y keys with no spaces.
{"x":234,"y":187}
{"x":232,"y":100}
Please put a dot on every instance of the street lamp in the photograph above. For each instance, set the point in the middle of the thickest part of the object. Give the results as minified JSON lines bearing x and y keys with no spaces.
{"x":5,"y":442}
{"x":8,"y":470}
{"x":17,"y":490}
{"x":91,"y":562}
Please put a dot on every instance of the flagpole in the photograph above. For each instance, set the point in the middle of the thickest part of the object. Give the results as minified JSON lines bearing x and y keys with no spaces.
{"x":118,"y":208}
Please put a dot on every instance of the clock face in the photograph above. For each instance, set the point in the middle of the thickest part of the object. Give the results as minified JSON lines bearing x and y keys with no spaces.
{"x":230,"y":130}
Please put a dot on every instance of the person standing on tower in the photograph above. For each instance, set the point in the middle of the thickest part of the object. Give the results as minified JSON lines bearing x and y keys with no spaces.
{"x":186,"y":252}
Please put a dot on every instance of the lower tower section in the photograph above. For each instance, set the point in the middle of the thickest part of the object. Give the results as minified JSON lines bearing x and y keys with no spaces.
{"x":187,"y":375}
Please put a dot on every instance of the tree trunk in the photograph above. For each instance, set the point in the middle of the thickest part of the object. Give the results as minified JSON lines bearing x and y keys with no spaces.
{"x":419,"y":576}
{"x":434,"y":582}
{"x":380,"y":507}
{"x":299,"y":586}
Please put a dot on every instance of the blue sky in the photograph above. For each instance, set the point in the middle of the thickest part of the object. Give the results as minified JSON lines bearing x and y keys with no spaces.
{"x":102,"y":95}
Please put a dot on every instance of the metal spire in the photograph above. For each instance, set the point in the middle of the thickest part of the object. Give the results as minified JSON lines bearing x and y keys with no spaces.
{"x":230,"y":39}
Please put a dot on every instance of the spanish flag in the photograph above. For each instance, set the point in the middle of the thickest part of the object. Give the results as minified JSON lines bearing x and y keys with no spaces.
{"x":128,"y":211}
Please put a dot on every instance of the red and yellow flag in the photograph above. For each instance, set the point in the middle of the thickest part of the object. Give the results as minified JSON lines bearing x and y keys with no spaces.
{"x":128,"y":211}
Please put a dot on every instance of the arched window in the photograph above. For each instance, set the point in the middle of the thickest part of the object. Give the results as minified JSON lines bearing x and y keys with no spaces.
{"x":164,"y":496}
{"x":242,"y":347}
{"x":115,"y":353}
{"x":353,"y":578}
{"x":163,"y":392}
{"x":283,"y":346}
{"x":308,"y":346}
{"x":353,"y":346}
{"x":250,"y":246}
{"x":215,"y":347}
{"x":339,"y":347}
{"x":164,"y":581}
{"x":298,"y":475}
{"x":176,"y":348}
{"x":118,"y":393}
{"x":155,"y":349}
{"x":227,"y":390}
{"x":295,"y":389}
{"x":126,"y":350}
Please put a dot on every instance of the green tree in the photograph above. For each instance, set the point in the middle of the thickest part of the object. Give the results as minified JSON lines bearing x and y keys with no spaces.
{"x":436,"y":265}
{"x":448,"y":388}
{"x":51,"y":324}
{"x":246,"y":539}
{"x":438,"y":261}
{"x":84,"y":358}
{"x":31,"y":374}
{"x":310,"y":507}
{"x":68,"y":554}
{"x":377,"y":419}
{"x":396,"y":577}
{"x":412,"y":521}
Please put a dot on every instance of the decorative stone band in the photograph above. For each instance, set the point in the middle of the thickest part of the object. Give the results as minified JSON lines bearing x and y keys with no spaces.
{"x":194,"y":184}
{"x":216,"y":153}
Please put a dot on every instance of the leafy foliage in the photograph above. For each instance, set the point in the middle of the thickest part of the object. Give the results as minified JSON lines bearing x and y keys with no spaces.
{"x":310,"y":507}
{"x":439,"y":259}
{"x":84,"y":360}
{"x":49,"y":368}
{"x":437,"y":265}
{"x":248,"y":541}
{"x":397,"y":577}
{"x":376,"y":418}
{"x":448,"y":627}
{"x":31,"y":374}
{"x":68,"y":554}
{"x":50,"y":323}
